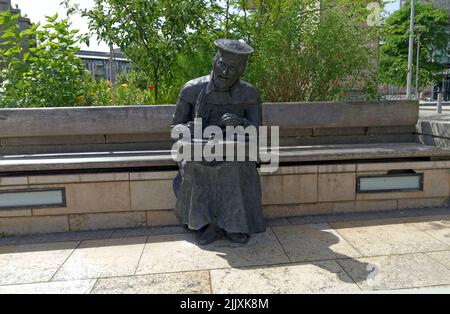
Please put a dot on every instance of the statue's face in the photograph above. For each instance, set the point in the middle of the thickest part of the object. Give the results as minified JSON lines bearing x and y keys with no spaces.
{"x":227,"y":70}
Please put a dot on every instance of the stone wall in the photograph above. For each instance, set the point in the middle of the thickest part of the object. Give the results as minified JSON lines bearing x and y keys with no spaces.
{"x":140,"y":199}
{"x":434,"y":129}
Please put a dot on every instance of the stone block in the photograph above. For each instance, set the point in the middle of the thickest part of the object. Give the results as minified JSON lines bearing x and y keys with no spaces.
{"x":289,"y":189}
{"x":152,"y":195}
{"x":414,"y":165}
{"x":364,"y":206}
{"x":337,"y":187}
{"x":86,"y":222}
{"x":11,"y":181}
{"x":78,"y":178}
{"x":422,"y":202}
{"x":53,"y":140}
{"x":433,"y":140}
{"x":292,"y":170}
{"x":294,"y":210}
{"x":140,"y":137}
{"x":339,"y":131}
{"x":91,"y":198}
{"x":33,"y":225}
{"x":15,"y":213}
{"x":156,"y":218}
{"x":152,"y":175}
{"x":391,"y":130}
{"x":337,"y":168}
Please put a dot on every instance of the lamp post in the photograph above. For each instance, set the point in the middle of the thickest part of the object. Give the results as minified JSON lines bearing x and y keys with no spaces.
{"x":419,"y":30}
{"x":417,"y":63}
{"x":410,"y":52}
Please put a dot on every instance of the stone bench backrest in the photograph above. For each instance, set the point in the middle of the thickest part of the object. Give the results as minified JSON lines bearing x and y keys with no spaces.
{"x":59,"y":130}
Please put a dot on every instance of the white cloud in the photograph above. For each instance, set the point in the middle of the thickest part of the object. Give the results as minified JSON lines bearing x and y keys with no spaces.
{"x":36,"y":10}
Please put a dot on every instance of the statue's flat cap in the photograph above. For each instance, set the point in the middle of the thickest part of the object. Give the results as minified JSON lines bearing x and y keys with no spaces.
{"x":232,"y":46}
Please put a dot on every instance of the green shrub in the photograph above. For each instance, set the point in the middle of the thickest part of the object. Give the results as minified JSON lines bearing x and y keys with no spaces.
{"x":49,"y":74}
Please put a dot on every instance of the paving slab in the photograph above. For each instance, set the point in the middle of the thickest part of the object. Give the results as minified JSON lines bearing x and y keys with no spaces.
{"x":318,"y":277}
{"x":386,"y":237}
{"x":313,"y":243}
{"x":442,"y":257}
{"x":396,"y":271}
{"x":103,"y":258}
{"x":57,"y":287}
{"x":180,"y":252}
{"x":30,"y":263}
{"x":437,"y":228}
{"x":444,"y":289}
{"x":186,"y":282}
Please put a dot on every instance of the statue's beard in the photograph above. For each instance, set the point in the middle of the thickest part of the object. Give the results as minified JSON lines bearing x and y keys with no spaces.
{"x":223,"y":83}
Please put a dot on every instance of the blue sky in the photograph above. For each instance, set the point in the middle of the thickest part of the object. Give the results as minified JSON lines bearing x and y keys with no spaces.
{"x":37,"y":9}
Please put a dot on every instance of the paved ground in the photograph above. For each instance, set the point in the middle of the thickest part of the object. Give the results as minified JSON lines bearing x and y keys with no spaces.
{"x":400,"y":251}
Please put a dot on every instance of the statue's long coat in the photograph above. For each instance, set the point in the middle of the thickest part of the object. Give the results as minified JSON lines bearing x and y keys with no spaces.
{"x":227,"y":192}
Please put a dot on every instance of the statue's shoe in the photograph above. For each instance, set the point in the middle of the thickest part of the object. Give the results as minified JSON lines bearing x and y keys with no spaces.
{"x":241,"y":238}
{"x":211,"y":234}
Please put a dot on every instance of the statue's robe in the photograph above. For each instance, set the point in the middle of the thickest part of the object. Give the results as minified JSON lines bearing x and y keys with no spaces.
{"x":225,"y":192}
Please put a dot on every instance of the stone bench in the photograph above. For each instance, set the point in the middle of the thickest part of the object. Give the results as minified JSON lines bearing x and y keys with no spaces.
{"x":112,"y":165}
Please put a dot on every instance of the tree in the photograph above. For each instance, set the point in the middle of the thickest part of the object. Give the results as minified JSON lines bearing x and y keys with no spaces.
{"x":151,"y":33}
{"x":56,"y":75}
{"x":13,"y":58}
{"x":49,"y":74}
{"x":303,"y":54}
{"x":433,"y":25}
{"x":300,"y":54}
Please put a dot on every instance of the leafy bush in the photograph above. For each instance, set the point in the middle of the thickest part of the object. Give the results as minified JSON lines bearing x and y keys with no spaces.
{"x":48,"y":74}
{"x":102,"y":93}
{"x":13,"y":59}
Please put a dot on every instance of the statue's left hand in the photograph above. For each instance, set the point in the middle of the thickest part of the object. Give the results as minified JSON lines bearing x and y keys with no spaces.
{"x":230,"y":119}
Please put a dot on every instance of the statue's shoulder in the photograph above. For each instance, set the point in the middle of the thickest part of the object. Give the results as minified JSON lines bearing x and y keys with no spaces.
{"x":249,"y":92}
{"x":248,"y":87}
{"x":192,"y":89}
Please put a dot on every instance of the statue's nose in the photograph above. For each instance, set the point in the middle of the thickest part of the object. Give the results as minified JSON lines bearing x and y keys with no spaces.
{"x":225,"y":71}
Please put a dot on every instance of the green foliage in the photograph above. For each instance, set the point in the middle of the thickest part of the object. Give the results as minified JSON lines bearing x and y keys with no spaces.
{"x":151,"y":33}
{"x":55,"y":76}
{"x":300,"y":54}
{"x":304,"y":56}
{"x":432,"y":23}
{"x":45,"y":75}
{"x":13,"y":59}
{"x":102,"y":93}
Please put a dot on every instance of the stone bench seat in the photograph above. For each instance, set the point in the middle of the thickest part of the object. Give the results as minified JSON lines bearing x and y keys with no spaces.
{"x":162,"y":158}
{"x":80,"y":169}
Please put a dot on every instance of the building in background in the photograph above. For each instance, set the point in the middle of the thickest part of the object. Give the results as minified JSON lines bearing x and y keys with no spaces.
{"x":103,"y":65}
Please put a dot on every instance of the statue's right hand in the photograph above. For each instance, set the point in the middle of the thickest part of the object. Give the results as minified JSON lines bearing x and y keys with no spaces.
{"x":190,"y":125}
{"x":184,"y":128}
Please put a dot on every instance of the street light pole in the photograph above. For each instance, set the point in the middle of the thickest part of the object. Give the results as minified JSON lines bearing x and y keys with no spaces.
{"x":417,"y":65}
{"x":410,"y":52}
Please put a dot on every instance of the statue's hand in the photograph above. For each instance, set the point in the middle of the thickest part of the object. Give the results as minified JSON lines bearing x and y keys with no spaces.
{"x":183,"y":128}
{"x":230,"y":119}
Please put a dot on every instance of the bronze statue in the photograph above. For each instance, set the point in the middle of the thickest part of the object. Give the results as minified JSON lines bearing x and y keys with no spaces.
{"x":220,"y":197}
